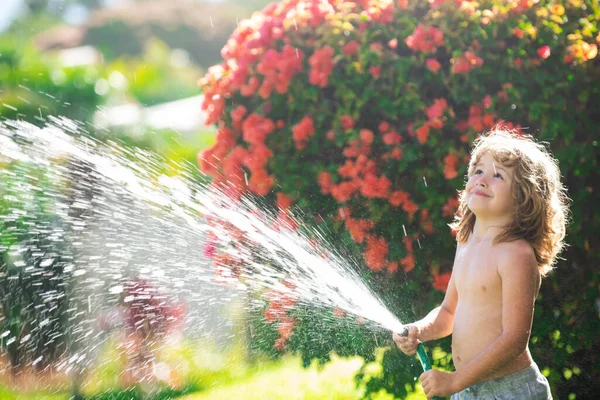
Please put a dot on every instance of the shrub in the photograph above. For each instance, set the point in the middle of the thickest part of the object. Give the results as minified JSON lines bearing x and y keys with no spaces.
{"x":33,"y":260}
{"x":33,"y":87}
{"x":363,"y":112}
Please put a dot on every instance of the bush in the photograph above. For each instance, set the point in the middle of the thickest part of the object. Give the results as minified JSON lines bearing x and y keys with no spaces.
{"x":200,"y":29}
{"x":33,"y":87}
{"x":363,"y":113}
{"x":33,"y":260}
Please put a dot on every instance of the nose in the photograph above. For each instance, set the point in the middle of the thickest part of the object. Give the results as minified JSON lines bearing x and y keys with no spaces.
{"x":482,"y":181}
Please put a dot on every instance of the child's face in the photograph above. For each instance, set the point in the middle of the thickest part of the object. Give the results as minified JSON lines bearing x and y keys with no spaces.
{"x":489,"y":188}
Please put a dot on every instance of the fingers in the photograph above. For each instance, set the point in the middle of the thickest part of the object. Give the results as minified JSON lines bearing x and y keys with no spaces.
{"x":426,"y":389}
{"x":425,"y":384}
{"x":408,"y":344}
{"x":413,"y":332}
{"x":399,"y":340}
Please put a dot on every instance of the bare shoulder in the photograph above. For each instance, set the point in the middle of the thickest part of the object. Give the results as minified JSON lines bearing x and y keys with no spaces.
{"x":516,"y":251}
{"x":517,"y":256}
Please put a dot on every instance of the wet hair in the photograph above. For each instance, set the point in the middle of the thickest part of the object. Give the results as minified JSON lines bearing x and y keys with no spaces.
{"x":540,"y":199}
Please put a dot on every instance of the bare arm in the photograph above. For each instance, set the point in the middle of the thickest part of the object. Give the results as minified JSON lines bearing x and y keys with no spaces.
{"x":520,"y":281}
{"x":439,"y":322}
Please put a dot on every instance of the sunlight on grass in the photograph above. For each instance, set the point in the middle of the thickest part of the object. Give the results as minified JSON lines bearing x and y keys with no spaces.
{"x":288,"y":380}
{"x":6,"y":394}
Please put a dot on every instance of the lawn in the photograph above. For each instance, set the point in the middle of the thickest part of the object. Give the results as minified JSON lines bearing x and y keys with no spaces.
{"x":205,"y":373}
{"x":288,"y":380}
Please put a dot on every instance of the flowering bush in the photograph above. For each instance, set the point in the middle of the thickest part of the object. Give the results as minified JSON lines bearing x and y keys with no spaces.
{"x":362,"y":113}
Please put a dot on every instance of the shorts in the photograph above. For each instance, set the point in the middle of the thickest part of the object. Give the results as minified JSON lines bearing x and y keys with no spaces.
{"x":527,"y":384}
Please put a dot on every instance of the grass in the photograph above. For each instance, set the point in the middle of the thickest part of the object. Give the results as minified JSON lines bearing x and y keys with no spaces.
{"x":7,"y":394}
{"x":202,"y":371}
{"x":288,"y":380}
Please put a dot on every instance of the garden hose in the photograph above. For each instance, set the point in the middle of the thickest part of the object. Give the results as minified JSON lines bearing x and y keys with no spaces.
{"x":422,"y":355}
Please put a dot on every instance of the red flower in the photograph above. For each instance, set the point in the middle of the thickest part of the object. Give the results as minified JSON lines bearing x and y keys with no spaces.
{"x":376,"y":253}
{"x":383,"y":127}
{"x":325,"y":182}
{"x":398,"y":197}
{"x":423,"y":133}
{"x":436,"y":3}
{"x":392,"y":44}
{"x":466,"y":62}
{"x":280,"y":344}
{"x":238,"y":113}
{"x":450,"y":207}
{"x":347,"y":122}
{"x":518,"y":33}
{"x":210,"y":248}
{"x":440,"y":281}
{"x":436,"y":123}
{"x":410,"y":208}
{"x":450,"y":164}
{"x":260,"y":182}
{"x":358,"y":228}
{"x":392,"y":138}
{"x":425,"y":40}
{"x":376,"y":47}
{"x":283,"y":201}
{"x":344,"y":191}
{"x":408,"y":263}
{"x":392,"y":267}
{"x":344,"y":212}
{"x":351,"y":48}
{"x":375,"y":71}
{"x":321,"y":63}
{"x":487,"y":101}
{"x":338,"y":312}
{"x":301,"y":132}
{"x":396,"y":153}
{"x":249,"y":89}
{"x":257,"y":157}
{"x":374,"y":187}
{"x":433,"y":65}
{"x":286,"y":327}
{"x":256,"y":128}
{"x":349,"y":170}
{"x":544,"y":52}
{"x":366,"y":136}
{"x":437,"y":109}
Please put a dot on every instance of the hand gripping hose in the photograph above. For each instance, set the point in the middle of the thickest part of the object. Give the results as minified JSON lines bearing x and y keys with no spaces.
{"x":422,"y":355}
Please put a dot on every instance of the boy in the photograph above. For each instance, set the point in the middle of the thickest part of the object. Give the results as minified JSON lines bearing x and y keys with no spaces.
{"x":510,"y":227}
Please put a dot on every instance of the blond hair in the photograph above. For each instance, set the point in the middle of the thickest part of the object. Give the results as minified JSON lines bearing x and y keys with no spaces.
{"x":541,"y":202}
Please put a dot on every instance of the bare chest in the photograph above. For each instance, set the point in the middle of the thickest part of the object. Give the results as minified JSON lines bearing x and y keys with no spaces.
{"x":476,"y":273}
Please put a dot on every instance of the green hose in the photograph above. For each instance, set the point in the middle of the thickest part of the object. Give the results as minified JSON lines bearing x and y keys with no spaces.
{"x":422,"y":355}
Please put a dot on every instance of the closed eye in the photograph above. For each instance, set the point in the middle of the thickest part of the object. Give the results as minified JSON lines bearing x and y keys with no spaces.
{"x":497,"y":175}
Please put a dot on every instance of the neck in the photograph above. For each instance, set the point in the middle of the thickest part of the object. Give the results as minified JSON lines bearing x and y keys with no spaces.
{"x":489,"y":228}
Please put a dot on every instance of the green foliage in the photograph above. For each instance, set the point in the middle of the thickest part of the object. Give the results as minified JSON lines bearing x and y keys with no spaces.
{"x":199,"y":28}
{"x":435,"y":74}
{"x":158,"y":75}
{"x":32,"y":266}
{"x":33,"y":87}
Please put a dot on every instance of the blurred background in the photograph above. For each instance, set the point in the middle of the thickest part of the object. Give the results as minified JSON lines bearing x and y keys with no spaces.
{"x":129,"y":72}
